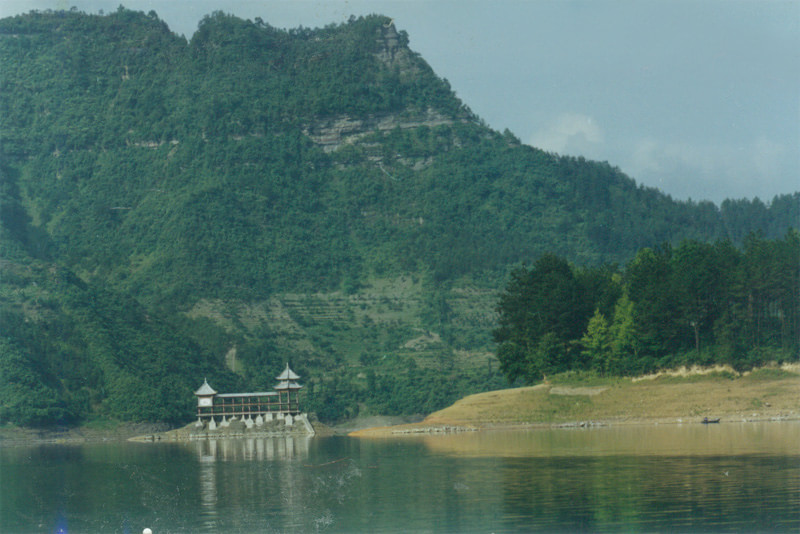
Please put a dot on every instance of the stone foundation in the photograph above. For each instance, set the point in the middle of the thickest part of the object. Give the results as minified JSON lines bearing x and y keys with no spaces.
{"x":282,"y":425}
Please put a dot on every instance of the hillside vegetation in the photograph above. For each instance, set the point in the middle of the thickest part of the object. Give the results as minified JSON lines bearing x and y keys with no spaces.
{"x":690,"y":304}
{"x":174,"y":210}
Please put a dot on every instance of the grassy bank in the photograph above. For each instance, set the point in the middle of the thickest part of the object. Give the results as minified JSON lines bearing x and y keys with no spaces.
{"x":672,"y":397}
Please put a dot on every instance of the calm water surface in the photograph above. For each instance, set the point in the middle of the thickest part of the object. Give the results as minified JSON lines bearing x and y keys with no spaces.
{"x":677,"y":478}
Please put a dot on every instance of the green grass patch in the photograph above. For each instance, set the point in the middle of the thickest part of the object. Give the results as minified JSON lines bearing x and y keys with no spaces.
{"x":102,"y":424}
{"x":693,"y":378}
{"x":770,"y":373}
{"x":583,"y":379}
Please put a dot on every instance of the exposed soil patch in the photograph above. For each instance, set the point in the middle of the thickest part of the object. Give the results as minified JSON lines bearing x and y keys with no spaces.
{"x":762,"y":395}
{"x":590,"y":391}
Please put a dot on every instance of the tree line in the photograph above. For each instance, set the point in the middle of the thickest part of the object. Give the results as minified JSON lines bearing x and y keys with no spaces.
{"x":694,"y":303}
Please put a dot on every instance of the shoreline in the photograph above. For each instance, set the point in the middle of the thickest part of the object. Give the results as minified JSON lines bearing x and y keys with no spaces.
{"x":764,"y":395}
{"x":20,"y":437}
{"x":423,"y":429}
{"x":136,"y":432}
{"x":234,"y":429}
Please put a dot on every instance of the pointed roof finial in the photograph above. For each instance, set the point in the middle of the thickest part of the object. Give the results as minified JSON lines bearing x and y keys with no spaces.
{"x":287,"y":374}
{"x":205,"y":390}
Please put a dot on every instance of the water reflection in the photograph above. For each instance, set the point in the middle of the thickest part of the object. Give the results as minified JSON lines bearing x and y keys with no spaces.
{"x":208,"y":488}
{"x":670,"y":440}
{"x":693,"y":479}
{"x":259,"y":449}
{"x":685,"y":494}
{"x":275,"y":456}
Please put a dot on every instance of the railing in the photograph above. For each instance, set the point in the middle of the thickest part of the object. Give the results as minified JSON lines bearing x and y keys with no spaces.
{"x":250,"y":404}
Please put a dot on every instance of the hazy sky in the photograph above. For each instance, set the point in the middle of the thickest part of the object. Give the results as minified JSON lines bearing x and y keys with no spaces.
{"x":700,"y":99}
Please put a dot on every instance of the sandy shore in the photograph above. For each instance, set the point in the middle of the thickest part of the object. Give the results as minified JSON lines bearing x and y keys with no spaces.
{"x":433,"y":428}
{"x":767,"y":395}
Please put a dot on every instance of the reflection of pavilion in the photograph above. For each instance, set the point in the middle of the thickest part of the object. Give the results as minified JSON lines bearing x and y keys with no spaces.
{"x":273,"y":482}
{"x":252,"y":409}
{"x":272,"y":448}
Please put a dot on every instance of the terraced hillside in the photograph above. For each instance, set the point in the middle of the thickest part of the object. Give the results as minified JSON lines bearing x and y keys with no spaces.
{"x":393,"y":319}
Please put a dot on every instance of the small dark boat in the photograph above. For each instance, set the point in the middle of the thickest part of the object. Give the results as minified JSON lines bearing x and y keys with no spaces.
{"x":706,"y":420}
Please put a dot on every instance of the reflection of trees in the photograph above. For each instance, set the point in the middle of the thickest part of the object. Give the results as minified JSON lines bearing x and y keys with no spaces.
{"x":349,"y":485}
{"x":87,"y":487}
{"x":404,"y":486}
{"x":29,"y":493}
{"x":646,"y":493}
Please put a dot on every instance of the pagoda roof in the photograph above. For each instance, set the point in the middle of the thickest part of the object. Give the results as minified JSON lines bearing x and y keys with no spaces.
{"x":243,"y":395}
{"x":205,"y":390}
{"x":286,"y":384}
{"x":287,"y":374}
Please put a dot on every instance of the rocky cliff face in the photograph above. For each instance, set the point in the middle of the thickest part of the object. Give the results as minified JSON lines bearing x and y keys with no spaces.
{"x":392,"y":50}
{"x":333,"y":132}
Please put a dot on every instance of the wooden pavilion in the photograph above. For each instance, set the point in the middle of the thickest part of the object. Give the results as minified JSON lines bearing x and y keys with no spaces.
{"x":256,"y":407}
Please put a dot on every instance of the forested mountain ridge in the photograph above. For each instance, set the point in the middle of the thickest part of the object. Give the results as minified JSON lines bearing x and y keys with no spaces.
{"x":314,"y":195}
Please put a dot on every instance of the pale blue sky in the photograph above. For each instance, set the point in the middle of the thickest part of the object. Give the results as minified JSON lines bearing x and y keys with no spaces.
{"x":700,"y":99}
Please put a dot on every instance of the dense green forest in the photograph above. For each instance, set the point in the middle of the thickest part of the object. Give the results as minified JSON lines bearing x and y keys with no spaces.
{"x":692,"y":304}
{"x":172,"y":210}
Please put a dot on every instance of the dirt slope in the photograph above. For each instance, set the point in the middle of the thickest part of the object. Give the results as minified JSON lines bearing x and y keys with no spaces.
{"x":766,"y":394}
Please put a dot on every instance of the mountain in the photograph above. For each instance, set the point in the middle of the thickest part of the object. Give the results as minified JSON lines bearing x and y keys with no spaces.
{"x":175,"y":210}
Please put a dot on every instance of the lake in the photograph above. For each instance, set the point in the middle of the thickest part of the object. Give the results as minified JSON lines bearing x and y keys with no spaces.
{"x":729,"y":477}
